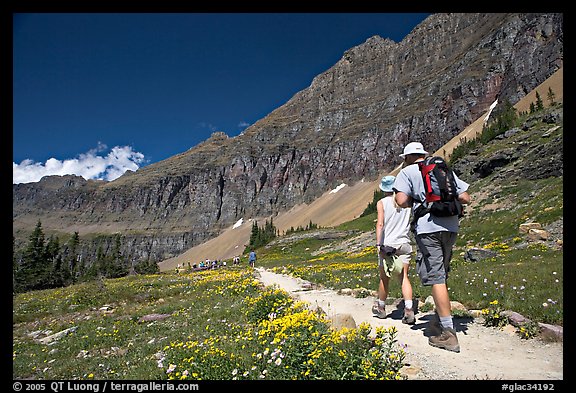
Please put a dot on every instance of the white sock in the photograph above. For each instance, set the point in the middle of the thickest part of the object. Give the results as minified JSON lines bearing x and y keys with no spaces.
{"x":446,"y":322}
{"x":408,"y":303}
{"x":381,"y":303}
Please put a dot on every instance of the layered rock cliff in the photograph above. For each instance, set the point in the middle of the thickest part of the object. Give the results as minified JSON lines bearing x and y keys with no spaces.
{"x":350,"y":123}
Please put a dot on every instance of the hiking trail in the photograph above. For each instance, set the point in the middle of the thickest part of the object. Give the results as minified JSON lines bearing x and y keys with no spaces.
{"x":485,"y":353}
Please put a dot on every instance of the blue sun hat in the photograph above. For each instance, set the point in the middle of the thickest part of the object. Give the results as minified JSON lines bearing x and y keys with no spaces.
{"x":386,"y":183}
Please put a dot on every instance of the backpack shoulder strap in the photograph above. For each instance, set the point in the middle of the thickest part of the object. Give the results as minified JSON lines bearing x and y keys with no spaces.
{"x":417,"y":213}
{"x":425,"y":167}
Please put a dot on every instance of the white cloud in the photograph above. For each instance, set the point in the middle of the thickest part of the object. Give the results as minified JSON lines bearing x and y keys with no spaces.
{"x":88,"y":165}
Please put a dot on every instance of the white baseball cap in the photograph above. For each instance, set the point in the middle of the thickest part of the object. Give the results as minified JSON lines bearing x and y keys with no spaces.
{"x":413,"y":148}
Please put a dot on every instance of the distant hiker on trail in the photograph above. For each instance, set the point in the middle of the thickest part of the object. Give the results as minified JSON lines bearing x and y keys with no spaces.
{"x":394,"y":251}
{"x":435,"y":238}
{"x":252,"y":258}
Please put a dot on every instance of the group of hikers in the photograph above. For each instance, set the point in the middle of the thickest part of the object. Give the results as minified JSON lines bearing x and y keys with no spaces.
{"x":216,"y":263}
{"x":404,"y":208}
{"x":202,"y":265}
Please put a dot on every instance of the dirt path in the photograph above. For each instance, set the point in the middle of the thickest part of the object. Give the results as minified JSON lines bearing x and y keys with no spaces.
{"x":486,"y":353}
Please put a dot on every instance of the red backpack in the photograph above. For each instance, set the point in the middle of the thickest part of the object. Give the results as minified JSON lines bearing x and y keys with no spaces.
{"x":441,"y":190}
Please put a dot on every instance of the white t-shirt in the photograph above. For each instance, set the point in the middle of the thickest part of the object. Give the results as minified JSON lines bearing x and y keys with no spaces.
{"x":409,"y":181}
{"x":396,"y":222}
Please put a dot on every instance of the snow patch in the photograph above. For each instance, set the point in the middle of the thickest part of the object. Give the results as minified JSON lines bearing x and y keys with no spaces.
{"x":341,"y":186}
{"x":490,"y":111}
{"x":238,"y":223}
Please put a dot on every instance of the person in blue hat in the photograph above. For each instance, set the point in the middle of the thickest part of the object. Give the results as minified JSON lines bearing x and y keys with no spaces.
{"x":394,"y":251}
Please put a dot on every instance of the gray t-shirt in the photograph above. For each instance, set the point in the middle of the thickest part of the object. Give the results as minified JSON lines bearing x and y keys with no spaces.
{"x":409,"y":181}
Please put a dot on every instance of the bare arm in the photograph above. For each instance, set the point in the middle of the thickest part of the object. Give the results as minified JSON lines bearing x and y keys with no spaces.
{"x":380,"y":223}
{"x":403,"y":199}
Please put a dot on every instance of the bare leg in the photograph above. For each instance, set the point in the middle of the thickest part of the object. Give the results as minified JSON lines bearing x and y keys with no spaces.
{"x":441,"y":300}
{"x":384,"y":286}
{"x":405,"y":283}
{"x":379,"y":310}
{"x":407,"y":295}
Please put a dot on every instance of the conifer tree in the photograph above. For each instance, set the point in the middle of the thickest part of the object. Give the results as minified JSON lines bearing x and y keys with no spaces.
{"x":33,"y":272}
{"x":371,"y":208}
{"x":59,"y":274}
{"x":146,"y":267}
{"x":116,"y":264}
{"x":261,"y":236}
{"x":71,"y":257}
{"x":508,"y":117}
{"x":551,"y":96}
{"x":254,"y":233}
{"x":98,"y":267}
{"x":539,"y":103}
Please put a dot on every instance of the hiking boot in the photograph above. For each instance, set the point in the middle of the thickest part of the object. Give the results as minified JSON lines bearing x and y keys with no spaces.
{"x":379,"y":312}
{"x":409,"y":318}
{"x":446,"y":340}
{"x":434,"y":326}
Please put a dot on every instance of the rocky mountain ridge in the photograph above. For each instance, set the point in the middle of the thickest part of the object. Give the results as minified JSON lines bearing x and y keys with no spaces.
{"x":359,"y":114}
{"x":531,"y":152}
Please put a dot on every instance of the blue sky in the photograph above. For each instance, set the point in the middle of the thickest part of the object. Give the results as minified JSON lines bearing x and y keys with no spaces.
{"x":95,"y":94}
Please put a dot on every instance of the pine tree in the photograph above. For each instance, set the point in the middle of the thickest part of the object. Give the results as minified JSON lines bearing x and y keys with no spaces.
{"x":33,"y":272}
{"x":508,"y":117}
{"x":146,"y":267}
{"x":539,"y":103}
{"x":551,"y":96}
{"x":269,"y":231}
{"x":71,"y":257}
{"x":59,"y":273}
{"x":254,"y":234}
{"x":261,"y":236}
{"x":117,"y":266}
{"x":98,"y":267}
{"x":371,"y":208}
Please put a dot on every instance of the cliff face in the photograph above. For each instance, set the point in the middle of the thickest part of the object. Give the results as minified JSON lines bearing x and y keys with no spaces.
{"x":350,"y":123}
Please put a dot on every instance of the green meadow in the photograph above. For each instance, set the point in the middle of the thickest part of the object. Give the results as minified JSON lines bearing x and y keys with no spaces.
{"x":207,"y":325}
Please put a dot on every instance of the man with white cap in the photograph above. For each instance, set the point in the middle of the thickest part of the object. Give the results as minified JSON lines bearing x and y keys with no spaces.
{"x":435,"y":238}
